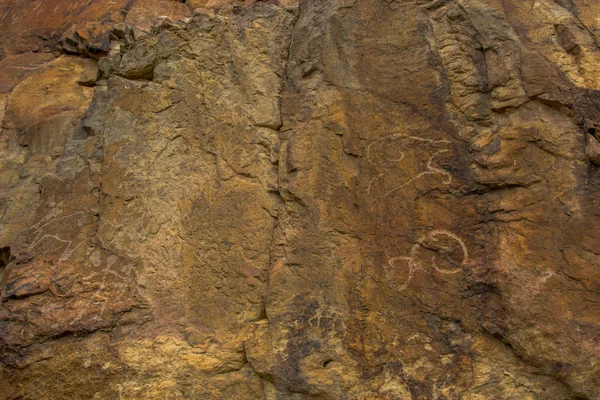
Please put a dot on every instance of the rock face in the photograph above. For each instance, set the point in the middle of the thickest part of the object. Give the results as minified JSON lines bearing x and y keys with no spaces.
{"x":330,"y":200}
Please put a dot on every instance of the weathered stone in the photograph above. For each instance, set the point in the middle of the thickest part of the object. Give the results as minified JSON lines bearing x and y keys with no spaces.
{"x":39,"y":25}
{"x":342,"y":200}
{"x":228,"y":6}
{"x":144,"y":13}
{"x":592,"y":149}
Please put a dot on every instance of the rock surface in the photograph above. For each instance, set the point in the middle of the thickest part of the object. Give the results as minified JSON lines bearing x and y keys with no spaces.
{"x":330,"y":200}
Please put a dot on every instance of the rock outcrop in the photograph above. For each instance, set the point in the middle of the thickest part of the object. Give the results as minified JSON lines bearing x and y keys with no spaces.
{"x":325,"y":200}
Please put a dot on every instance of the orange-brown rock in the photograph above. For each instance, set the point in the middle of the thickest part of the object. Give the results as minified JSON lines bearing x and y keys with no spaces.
{"x":227,"y":6}
{"x":336,"y":200}
{"x":143,"y":13}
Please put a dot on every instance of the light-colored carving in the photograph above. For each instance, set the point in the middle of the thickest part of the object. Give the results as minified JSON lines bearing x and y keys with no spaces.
{"x":37,"y":8}
{"x":435,"y":235}
{"x":18,"y":17}
{"x":390,"y":267}
{"x":369,"y":186}
{"x":41,"y":235}
{"x":117,"y":283}
{"x":431,"y":168}
{"x":414,"y":264}
{"x":116,"y":290}
{"x":117,"y":227}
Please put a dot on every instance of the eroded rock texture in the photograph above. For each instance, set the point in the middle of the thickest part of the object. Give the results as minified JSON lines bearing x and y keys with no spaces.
{"x":332,"y":200}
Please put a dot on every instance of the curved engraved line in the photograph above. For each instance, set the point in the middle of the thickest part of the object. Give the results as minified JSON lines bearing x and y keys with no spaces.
{"x":369,"y":186}
{"x":433,"y":235}
{"x":432,"y":170}
{"x":411,"y":272}
{"x":40,"y":235}
{"x":379,"y":141}
{"x":37,"y":227}
{"x":18,"y":16}
{"x":435,"y":169}
{"x":414,"y":265}
{"x":129,"y":278}
{"x":66,"y":254}
{"x":401,"y":135}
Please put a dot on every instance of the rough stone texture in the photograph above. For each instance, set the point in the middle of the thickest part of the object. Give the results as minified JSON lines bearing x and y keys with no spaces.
{"x":228,"y":6}
{"x":341,"y":200}
{"x":143,"y":13}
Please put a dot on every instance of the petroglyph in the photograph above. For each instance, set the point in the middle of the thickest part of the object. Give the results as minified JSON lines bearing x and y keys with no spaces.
{"x":41,"y":8}
{"x":444,"y":245}
{"x":114,"y":285}
{"x":121,"y":288}
{"x":431,"y":170}
{"x":441,"y":250}
{"x":37,"y":8}
{"x":121,"y":280}
{"x":18,"y":17}
{"x":117,"y":228}
{"x":385,"y":145}
{"x":41,"y":235}
{"x":391,"y":266}
{"x":372,"y":181}
{"x":51,"y":218}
